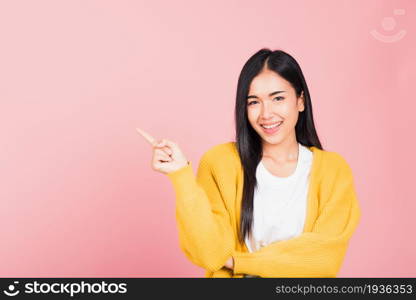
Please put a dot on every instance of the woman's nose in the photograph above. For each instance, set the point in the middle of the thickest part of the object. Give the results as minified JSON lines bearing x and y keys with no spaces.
{"x":266,"y":110}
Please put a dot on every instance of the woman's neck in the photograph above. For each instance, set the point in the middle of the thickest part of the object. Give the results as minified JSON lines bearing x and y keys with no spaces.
{"x":286,"y":151}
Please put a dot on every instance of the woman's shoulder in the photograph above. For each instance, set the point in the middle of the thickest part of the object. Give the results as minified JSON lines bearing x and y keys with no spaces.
{"x":222,"y":153}
{"x":227,"y":148}
{"x":332,"y":160}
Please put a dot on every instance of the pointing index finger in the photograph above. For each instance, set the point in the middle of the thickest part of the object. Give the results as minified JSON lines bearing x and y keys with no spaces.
{"x":147,"y":136}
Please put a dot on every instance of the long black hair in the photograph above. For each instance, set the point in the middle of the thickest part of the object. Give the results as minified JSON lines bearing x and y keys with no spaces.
{"x":248,"y":142}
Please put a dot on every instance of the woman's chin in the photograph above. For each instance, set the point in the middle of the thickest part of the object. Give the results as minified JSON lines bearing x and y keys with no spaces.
{"x":272,"y":140}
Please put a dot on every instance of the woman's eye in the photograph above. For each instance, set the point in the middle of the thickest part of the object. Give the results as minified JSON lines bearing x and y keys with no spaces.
{"x":280,"y":98}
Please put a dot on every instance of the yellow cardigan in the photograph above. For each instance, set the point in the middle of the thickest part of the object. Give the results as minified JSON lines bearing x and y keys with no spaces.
{"x":208,"y":209}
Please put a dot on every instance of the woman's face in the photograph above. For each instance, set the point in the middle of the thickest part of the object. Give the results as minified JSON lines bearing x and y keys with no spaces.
{"x":272,"y":99}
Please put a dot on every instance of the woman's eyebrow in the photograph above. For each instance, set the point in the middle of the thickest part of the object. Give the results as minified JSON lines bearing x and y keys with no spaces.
{"x":271,"y":94}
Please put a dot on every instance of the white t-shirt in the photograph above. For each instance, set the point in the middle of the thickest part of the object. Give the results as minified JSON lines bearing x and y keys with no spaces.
{"x":279,"y":204}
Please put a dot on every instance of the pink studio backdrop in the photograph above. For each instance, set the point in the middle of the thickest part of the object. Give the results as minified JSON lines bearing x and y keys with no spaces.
{"x":78,"y":195}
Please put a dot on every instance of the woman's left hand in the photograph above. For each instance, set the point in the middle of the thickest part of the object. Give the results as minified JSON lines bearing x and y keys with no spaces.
{"x":230,"y":263}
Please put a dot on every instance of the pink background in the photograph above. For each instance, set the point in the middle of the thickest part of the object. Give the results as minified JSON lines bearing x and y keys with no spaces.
{"x":78,"y":196}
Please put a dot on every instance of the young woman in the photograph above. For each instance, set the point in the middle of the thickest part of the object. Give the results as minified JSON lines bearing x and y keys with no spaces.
{"x":273,"y":203}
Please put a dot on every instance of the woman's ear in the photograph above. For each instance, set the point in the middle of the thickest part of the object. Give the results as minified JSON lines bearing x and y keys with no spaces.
{"x":301,"y":102}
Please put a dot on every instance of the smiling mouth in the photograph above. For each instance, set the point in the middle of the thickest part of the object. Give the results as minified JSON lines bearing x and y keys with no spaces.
{"x":272,"y":128}
{"x":272,"y":125}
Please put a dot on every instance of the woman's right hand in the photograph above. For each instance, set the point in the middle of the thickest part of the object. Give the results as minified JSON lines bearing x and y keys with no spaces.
{"x":167,"y":156}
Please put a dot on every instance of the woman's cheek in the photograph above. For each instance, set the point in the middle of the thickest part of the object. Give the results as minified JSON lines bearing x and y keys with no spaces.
{"x":251,"y":115}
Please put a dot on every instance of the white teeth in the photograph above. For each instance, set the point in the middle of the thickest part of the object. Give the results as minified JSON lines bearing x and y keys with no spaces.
{"x":271,"y":126}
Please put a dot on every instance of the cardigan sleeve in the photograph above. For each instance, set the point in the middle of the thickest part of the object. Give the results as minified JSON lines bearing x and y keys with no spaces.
{"x":203,"y":222}
{"x":318,"y":253}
